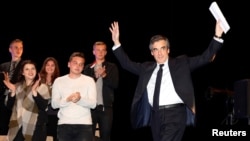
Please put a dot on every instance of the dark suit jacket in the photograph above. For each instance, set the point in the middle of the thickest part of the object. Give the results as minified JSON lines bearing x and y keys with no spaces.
{"x":4,"y":120}
{"x":180,"y":70}
{"x":110,"y":82}
{"x":5,"y":67}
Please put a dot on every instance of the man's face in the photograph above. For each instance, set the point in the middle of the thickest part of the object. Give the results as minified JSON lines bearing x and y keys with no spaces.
{"x":160,"y":51}
{"x":76,"y":65}
{"x":16,"y":49}
{"x":100,"y":52}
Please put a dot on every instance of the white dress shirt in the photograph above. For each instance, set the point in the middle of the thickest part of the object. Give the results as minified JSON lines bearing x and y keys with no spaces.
{"x":168,"y":94}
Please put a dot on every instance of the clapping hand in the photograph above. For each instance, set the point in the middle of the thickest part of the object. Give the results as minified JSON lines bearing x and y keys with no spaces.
{"x":74,"y":97}
{"x":100,"y":72}
{"x":9,"y":85}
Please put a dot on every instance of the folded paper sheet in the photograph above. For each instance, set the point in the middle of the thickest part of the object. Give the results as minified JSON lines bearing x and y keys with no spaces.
{"x":218,"y":15}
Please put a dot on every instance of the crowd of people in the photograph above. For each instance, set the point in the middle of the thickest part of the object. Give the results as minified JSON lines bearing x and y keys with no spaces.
{"x":42,"y":102}
{"x":37,"y":103}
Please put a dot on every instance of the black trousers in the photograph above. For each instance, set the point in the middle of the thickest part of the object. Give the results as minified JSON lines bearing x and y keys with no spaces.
{"x":4,"y":117}
{"x":104,"y":117}
{"x":52,"y":126}
{"x":40,"y":134}
{"x":19,"y":136}
{"x":168,"y":124}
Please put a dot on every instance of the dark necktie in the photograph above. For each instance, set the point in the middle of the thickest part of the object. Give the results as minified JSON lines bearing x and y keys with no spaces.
{"x":12,"y":69}
{"x":11,"y":72}
{"x":157,"y":88}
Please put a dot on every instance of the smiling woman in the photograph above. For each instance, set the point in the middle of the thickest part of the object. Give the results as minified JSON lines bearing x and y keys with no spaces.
{"x":30,"y":97}
{"x":48,"y":73}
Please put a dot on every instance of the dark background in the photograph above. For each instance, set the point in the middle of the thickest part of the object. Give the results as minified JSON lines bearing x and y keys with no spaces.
{"x":59,"y":28}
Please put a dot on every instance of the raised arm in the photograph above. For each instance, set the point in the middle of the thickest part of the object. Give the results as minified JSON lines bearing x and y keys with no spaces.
{"x":114,"y":29}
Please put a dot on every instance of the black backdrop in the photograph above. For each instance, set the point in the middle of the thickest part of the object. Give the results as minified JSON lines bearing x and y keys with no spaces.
{"x":58,"y":29}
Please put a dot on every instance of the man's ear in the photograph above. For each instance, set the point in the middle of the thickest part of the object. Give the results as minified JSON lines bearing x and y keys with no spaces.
{"x":68,"y":64}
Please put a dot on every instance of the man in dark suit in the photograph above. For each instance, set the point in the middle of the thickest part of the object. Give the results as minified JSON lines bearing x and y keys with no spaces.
{"x":176,"y":102}
{"x":106,"y":76}
{"x":12,"y":68}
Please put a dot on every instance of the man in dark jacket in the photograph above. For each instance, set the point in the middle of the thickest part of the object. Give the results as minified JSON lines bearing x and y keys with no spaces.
{"x":176,"y":94}
{"x":11,"y":67}
{"x":106,"y":77}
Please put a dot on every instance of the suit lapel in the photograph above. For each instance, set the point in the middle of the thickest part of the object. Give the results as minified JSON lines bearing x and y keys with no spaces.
{"x":148,"y":74}
{"x":171,"y":65}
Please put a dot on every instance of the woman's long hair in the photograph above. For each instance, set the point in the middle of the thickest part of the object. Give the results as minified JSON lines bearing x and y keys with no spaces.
{"x":21,"y":77}
{"x":43,"y":73}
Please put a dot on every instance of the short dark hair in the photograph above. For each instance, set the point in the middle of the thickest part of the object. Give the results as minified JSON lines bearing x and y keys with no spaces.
{"x":76,"y":54}
{"x":156,"y":38}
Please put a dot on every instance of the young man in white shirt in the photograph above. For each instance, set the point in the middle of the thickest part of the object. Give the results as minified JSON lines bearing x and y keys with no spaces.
{"x":74,"y":94}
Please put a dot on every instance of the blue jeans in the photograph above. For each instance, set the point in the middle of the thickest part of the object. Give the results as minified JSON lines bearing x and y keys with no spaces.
{"x":74,"y":132}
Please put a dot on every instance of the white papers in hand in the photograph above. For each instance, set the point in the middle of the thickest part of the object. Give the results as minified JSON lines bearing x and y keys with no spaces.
{"x":215,"y":10}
